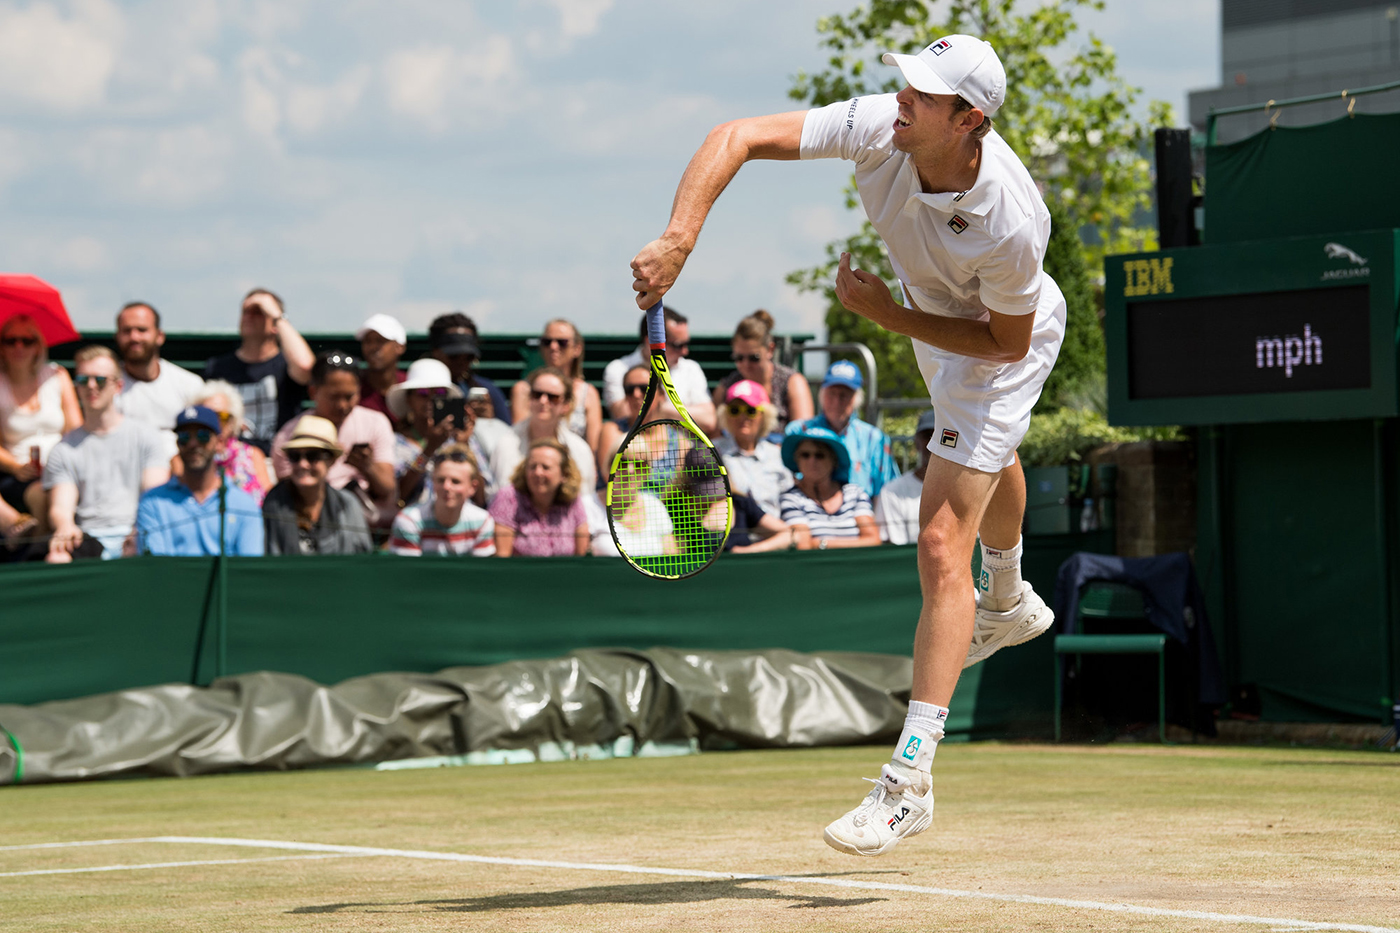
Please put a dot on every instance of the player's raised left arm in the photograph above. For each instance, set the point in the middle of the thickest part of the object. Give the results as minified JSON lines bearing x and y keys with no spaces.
{"x":1003,"y":338}
{"x":725,"y":150}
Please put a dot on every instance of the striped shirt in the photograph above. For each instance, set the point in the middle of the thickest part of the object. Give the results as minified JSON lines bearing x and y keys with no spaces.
{"x":798,"y":509}
{"x":417,"y":532}
{"x":872,"y":464}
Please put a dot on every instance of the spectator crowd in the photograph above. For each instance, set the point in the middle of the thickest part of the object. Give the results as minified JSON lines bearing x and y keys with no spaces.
{"x":277,"y":449}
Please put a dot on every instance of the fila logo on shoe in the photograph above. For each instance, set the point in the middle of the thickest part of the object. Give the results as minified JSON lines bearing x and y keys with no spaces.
{"x":911,"y":748}
{"x":898,"y":817}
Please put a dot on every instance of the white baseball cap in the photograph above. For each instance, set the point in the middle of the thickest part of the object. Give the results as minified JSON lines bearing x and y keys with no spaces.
{"x":386,"y":326}
{"x":963,"y":65}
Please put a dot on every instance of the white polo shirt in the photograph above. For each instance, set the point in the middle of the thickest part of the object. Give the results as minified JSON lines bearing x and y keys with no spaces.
{"x":958,"y":253}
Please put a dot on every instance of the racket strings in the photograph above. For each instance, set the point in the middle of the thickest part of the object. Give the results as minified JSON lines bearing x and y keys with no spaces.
{"x":669,"y":506}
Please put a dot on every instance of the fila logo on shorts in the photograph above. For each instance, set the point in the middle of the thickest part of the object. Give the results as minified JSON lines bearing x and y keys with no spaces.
{"x":957,"y":223}
{"x":949,"y":438}
{"x":941,"y":46}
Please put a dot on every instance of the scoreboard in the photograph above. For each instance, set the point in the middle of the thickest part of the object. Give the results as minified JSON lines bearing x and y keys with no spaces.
{"x":1293,"y":329}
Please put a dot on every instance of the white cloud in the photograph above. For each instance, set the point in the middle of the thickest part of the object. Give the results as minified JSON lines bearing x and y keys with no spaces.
{"x":424,"y":83}
{"x":579,"y":18}
{"x":58,"y":62}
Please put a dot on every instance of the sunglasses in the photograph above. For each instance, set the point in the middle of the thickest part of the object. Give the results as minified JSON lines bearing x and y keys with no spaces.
{"x":186,"y":436}
{"x":812,"y":455}
{"x":556,"y":342}
{"x":680,"y":345}
{"x":19,"y":341}
{"x":431,"y":393}
{"x":740,"y":410}
{"x":537,"y":394}
{"x":224,"y":418}
{"x":636,"y":388}
{"x":456,"y":456}
{"x":748,"y":358}
{"x":99,"y":381}
{"x":308,"y":454}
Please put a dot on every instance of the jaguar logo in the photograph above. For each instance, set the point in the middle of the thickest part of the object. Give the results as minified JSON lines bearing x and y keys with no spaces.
{"x":1338,"y":251}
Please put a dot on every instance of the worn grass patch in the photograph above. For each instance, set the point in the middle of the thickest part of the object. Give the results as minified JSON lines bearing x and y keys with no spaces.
{"x":1287,"y":833}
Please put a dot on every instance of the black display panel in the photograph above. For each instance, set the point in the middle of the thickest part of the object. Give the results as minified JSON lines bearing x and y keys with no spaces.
{"x":1298,"y":341}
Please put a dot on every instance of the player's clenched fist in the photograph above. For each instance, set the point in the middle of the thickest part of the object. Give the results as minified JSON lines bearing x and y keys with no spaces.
{"x":655,"y":268}
{"x":862,"y":292}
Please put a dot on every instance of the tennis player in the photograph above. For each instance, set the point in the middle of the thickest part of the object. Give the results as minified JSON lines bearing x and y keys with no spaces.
{"x":966,"y":231}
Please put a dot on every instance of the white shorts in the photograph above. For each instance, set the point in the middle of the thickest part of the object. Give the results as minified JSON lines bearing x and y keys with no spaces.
{"x":983,"y":409}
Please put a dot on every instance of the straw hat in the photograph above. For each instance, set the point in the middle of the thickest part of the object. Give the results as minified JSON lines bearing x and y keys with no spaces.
{"x":316,"y":433}
{"x":426,"y":373}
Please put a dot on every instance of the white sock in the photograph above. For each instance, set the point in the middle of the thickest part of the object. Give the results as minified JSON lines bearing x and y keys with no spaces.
{"x":923,"y":727}
{"x":1000,"y":581}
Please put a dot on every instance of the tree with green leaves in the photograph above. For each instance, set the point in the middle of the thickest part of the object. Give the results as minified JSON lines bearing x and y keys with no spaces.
{"x":1067,"y":114}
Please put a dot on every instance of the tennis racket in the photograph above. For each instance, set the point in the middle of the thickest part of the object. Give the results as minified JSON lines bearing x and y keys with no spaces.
{"x":668,"y":501}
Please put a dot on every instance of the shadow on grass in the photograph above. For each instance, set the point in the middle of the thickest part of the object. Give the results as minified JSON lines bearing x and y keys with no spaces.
{"x":671,"y":892}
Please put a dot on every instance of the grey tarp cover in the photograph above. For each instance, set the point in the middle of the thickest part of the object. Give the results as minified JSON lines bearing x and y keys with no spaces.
{"x":266,"y":720}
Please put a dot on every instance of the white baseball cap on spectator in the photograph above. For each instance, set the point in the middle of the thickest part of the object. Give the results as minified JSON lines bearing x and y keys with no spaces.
{"x":386,"y":326}
{"x":426,"y":373}
{"x":962,"y":65}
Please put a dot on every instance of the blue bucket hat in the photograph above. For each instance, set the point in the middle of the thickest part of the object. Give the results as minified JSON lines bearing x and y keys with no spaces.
{"x":828,"y":437}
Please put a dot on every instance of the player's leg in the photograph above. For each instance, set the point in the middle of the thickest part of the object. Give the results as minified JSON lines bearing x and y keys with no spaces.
{"x":1009,"y":611}
{"x":954,"y":500}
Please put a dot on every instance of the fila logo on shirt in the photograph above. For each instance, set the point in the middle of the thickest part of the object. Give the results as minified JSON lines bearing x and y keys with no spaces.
{"x":949,"y":438}
{"x":941,"y":46}
{"x":957,"y":223}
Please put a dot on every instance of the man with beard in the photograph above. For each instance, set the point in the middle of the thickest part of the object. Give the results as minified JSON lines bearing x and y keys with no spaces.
{"x":181,"y":518}
{"x":154,"y":390}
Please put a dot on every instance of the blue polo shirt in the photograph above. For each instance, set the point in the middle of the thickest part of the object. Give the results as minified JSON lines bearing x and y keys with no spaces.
{"x":171,"y":522}
{"x":872,"y":464}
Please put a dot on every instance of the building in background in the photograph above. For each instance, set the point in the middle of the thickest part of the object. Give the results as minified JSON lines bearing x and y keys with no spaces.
{"x":1279,"y":49}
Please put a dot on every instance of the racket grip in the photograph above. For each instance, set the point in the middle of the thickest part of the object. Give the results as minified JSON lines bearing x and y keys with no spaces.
{"x":656,"y":325}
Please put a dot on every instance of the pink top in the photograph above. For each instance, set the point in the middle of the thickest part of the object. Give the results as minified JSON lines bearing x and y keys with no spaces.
{"x":237,"y":461}
{"x":361,"y":426}
{"x":536,"y":535}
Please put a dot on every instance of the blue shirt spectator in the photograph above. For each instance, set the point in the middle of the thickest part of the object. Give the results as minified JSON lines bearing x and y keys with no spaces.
{"x":872,"y":463}
{"x":182,"y":518}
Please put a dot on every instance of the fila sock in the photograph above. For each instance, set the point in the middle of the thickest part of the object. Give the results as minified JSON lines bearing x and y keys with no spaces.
{"x":923,"y":728}
{"x":999,"y":583}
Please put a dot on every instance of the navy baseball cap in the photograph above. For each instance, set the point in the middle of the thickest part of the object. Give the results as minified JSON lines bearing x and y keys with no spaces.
{"x":843,"y":373}
{"x":198,"y":414}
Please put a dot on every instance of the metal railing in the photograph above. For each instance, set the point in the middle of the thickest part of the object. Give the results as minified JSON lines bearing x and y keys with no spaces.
{"x":1347,"y":94}
{"x":872,"y":376}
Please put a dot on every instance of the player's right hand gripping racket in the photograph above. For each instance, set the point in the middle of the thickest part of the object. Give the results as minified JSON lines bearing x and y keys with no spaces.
{"x":668,"y":492}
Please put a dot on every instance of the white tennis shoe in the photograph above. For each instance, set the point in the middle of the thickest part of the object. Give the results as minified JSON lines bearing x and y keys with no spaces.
{"x":900,"y":805}
{"x":996,"y":630}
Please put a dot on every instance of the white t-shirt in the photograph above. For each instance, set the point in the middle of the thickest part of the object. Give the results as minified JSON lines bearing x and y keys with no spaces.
{"x":156,"y":403}
{"x":897,"y":509}
{"x":958,"y":254}
{"x":686,"y":376}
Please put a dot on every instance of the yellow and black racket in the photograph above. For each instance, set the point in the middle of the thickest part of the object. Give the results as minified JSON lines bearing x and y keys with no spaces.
{"x":668,"y":501}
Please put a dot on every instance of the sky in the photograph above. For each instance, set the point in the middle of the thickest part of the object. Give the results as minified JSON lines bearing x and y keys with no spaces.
{"x":424,"y":156}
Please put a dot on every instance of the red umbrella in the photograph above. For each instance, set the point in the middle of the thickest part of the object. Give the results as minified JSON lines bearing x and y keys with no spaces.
{"x":26,"y":294}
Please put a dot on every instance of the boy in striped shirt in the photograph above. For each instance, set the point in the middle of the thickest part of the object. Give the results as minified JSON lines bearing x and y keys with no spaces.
{"x":451,"y":524}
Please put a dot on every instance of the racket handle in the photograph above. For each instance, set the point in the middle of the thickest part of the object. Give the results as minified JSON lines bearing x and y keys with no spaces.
{"x":656,"y":326}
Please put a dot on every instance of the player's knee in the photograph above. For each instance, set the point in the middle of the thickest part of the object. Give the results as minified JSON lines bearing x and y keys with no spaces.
{"x":939,"y":551}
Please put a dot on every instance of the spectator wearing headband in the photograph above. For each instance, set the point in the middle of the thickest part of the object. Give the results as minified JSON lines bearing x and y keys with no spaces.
{"x":561,"y":346}
{"x":270,"y":367}
{"x":541,"y":514}
{"x":897,"y":506}
{"x":382,"y":343}
{"x":755,"y":464}
{"x":366,"y":466}
{"x":304,"y":514}
{"x":754,"y":350}
{"x":551,"y":401}
{"x":454,"y":340}
{"x":841,"y":396}
{"x":686,"y":375}
{"x":183,"y":518}
{"x":449,"y":525}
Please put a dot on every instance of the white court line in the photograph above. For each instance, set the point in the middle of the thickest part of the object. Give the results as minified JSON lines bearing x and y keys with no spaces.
{"x":217,"y":861}
{"x":1272,"y":922}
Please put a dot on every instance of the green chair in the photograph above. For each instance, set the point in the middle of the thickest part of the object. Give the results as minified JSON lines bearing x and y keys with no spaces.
{"x":1102,"y":600}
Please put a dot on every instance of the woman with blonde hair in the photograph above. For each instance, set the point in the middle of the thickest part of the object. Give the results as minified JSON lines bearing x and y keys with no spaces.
{"x":551,"y":400}
{"x":38,"y":405}
{"x":541,"y":512}
{"x":561,"y":346}
{"x":243,"y":465}
{"x":753,"y":347}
